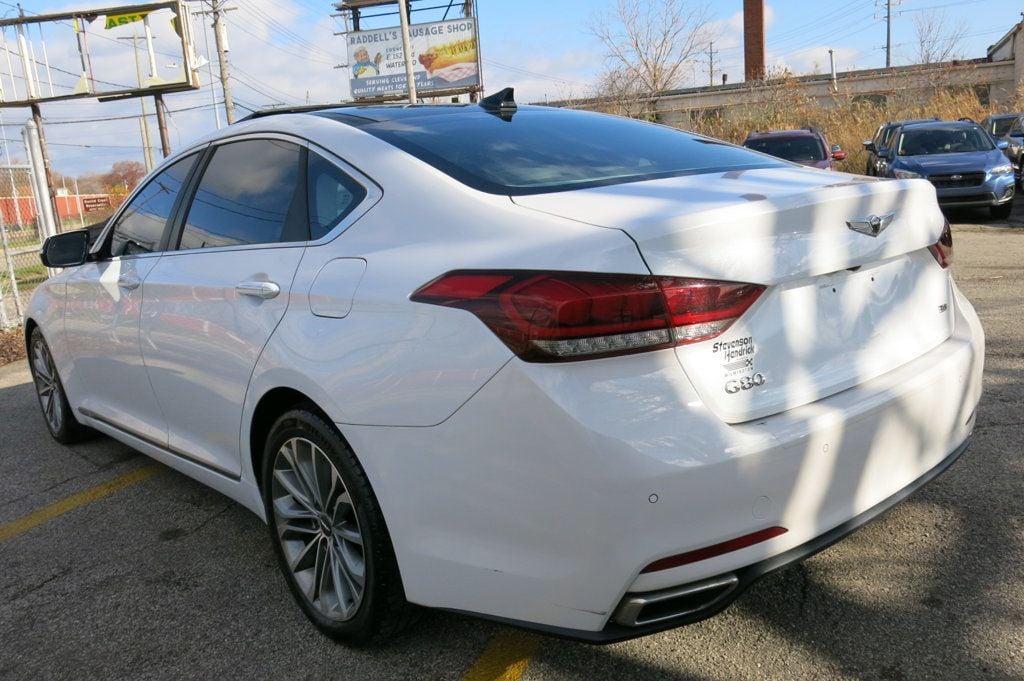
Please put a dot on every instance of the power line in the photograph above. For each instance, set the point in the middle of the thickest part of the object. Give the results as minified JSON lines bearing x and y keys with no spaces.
{"x":267,"y":86}
{"x":533,"y":73}
{"x":306,"y":57}
{"x":276,"y":26}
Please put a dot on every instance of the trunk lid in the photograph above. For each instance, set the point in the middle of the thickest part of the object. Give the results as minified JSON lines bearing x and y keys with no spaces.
{"x":841,"y":307}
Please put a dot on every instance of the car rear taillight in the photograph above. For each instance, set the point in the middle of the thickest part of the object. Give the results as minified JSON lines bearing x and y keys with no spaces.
{"x":943,"y":248}
{"x":561,"y":316}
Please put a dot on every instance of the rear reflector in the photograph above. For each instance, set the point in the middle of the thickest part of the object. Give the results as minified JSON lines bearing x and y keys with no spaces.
{"x":715,"y":550}
{"x":943,"y":248}
{"x":562,"y":316}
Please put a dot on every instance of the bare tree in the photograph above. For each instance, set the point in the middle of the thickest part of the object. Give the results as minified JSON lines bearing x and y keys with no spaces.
{"x":619,"y":94}
{"x":651,"y":45}
{"x":938,"y":39}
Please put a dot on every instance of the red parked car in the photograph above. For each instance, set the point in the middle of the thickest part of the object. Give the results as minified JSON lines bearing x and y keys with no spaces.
{"x":807,"y":147}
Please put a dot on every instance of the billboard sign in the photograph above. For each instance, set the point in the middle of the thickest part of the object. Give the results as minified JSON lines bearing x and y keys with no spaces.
{"x":79,"y":70}
{"x":444,"y":57}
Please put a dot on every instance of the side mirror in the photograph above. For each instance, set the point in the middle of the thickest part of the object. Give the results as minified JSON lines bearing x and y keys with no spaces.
{"x":869,"y":145}
{"x":837,"y":153}
{"x":65,"y":250}
{"x":1003,"y":145}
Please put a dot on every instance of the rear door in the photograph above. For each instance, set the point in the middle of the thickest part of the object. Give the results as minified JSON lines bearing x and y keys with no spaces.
{"x":212,"y":302}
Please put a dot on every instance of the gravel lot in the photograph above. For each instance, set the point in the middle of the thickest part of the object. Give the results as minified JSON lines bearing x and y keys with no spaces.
{"x":166,"y":579}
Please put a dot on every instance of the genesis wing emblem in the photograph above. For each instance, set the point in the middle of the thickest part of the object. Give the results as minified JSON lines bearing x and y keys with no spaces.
{"x":872,"y":225}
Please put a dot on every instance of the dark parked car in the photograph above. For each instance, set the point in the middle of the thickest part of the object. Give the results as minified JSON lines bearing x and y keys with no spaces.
{"x":878,"y":146}
{"x":1000,"y":124}
{"x":963,"y":162}
{"x":807,"y":147}
{"x":1009,"y":127}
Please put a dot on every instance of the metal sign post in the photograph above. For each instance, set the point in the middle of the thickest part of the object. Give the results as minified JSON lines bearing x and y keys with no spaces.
{"x":410,"y":78}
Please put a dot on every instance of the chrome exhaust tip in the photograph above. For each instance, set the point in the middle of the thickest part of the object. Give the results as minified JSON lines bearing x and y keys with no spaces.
{"x":661,"y":606}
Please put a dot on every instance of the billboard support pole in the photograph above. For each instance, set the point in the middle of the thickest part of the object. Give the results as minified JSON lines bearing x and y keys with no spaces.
{"x":403,"y":14}
{"x":161,"y":121}
{"x":51,"y":198}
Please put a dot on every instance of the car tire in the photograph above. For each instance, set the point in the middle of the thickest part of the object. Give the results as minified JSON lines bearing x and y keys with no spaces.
{"x":53,"y":401}
{"x":329,"y":533}
{"x":1001,"y":212}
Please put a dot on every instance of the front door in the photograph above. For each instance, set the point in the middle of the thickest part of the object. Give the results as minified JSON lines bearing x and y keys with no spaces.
{"x":104,"y":301}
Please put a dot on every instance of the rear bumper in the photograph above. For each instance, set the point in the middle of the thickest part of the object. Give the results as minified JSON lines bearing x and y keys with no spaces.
{"x":722,"y":590}
{"x":542,"y":499}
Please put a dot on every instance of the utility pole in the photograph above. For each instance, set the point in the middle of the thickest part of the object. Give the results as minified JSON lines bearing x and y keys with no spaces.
{"x":888,"y":33}
{"x":220,"y":37}
{"x":832,"y":61}
{"x":410,"y":79}
{"x":209,"y":71}
{"x":711,"y":62}
{"x":888,"y":30}
{"x":147,"y":147}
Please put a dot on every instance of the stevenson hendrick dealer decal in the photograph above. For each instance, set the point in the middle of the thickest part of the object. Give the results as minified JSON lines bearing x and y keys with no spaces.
{"x":737,"y":360}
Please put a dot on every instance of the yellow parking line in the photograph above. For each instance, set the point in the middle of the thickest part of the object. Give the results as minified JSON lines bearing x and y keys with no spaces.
{"x":45,"y":514}
{"x":505,"y":658}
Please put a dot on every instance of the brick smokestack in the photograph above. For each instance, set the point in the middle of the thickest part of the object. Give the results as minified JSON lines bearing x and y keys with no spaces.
{"x":753,"y":39}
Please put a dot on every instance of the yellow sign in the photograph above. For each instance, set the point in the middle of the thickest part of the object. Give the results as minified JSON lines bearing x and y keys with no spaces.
{"x":115,"y":20}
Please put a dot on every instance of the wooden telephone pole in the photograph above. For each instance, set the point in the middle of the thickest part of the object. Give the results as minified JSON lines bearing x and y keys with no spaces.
{"x":220,"y":37}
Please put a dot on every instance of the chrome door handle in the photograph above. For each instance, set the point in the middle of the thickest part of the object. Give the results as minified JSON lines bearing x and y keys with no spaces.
{"x":259,"y":289}
{"x":126,"y":281}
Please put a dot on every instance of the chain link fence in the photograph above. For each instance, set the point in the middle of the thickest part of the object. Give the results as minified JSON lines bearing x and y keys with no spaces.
{"x":21,"y":235}
{"x":20,"y":269}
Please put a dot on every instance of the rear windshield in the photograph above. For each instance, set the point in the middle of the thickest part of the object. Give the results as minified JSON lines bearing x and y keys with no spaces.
{"x":930,"y":140}
{"x":797,"y":148}
{"x":548,"y":150}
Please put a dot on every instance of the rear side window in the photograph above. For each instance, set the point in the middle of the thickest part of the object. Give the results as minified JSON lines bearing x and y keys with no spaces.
{"x":541,"y":150}
{"x":332,"y":195}
{"x":141,"y":227}
{"x":250,"y":193}
{"x":887,"y":136}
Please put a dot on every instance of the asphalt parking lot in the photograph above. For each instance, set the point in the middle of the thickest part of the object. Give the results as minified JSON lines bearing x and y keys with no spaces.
{"x":156,"y":576}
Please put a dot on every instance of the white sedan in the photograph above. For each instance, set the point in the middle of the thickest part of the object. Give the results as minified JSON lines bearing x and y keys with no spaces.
{"x":563,"y":370}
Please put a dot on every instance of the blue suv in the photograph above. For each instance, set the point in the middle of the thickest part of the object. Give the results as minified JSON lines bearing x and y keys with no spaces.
{"x":967,"y":167}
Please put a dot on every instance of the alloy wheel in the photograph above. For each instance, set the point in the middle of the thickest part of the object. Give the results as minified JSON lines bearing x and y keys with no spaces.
{"x":318,"y":529}
{"x":47,"y":385}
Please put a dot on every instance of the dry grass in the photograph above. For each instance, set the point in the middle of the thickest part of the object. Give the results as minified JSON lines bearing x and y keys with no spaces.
{"x":12,"y":346}
{"x":845,"y":123}
{"x":784,"y":105}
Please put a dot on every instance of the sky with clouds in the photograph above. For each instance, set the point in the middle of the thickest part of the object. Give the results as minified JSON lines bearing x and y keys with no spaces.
{"x":285,"y":52}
